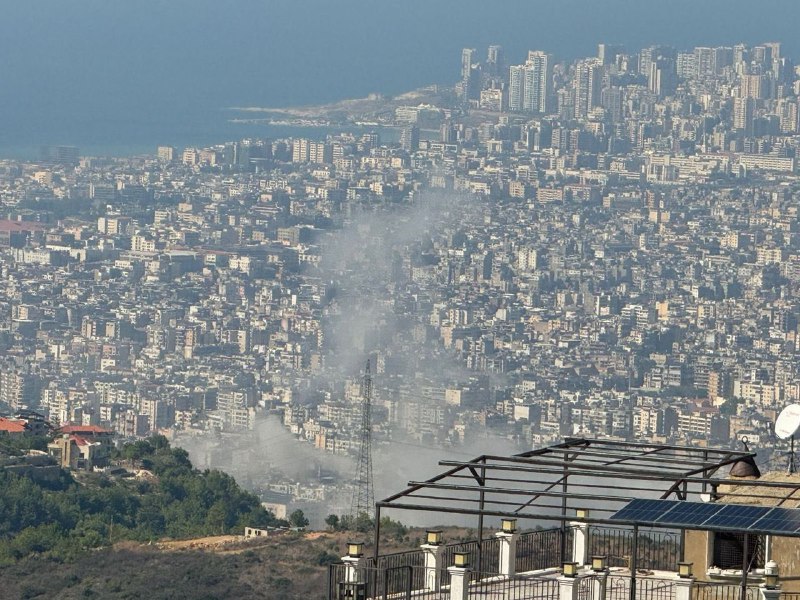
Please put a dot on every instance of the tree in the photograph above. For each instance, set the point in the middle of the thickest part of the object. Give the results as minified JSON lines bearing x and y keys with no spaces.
{"x":298,"y":519}
{"x":332,"y":521}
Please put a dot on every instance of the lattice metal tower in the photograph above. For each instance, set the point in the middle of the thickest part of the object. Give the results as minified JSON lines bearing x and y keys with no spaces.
{"x":364,"y":493}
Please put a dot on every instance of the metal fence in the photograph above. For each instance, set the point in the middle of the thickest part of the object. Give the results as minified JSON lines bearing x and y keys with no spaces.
{"x":541,"y":549}
{"x":657,"y":551}
{"x":393,"y":570}
{"x":490,"y":586}
{"x":619,"y":588}
{"x":714,"y":591}
{"x":586,"y":588}
{"x":489,"y":551}
{"x":397,"y":583}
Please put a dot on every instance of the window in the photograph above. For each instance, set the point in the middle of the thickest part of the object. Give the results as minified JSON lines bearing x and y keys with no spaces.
{"x":729,"y":551}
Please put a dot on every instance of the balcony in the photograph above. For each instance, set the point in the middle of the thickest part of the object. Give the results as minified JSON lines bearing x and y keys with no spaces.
{"x":535,"y":573}
{"x":641,"y":510}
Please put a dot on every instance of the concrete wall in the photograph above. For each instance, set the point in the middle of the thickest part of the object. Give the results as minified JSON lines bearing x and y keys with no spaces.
{"x":696,"y":551}
{"x":785,"y":552}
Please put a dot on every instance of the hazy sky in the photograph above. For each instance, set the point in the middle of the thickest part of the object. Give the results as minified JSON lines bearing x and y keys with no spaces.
{"x":114,"y":65}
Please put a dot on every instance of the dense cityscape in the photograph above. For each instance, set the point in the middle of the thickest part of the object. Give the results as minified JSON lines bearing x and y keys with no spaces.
{"x":608,"y":248}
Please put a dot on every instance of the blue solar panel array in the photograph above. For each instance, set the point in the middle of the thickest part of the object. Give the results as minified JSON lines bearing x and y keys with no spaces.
{"x":738,"y":517}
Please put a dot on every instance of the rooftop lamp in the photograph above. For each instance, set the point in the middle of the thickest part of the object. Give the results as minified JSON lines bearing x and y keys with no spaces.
{"x":461,"y":559}
{"x":569,"y":569}
{"x":771,"y":575}
{"x":685,"y":569}
{"x":433,"y":537}
{"x":509,"y":525}
{"x":598,"y":563}
{"x":355,"y":549}
{"x":582,"y":513}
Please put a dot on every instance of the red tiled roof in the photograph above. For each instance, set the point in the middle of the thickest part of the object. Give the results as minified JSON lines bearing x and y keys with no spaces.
{"x":8,"y":225}
{"x":83,"y":429}
{"x":10,"y":426}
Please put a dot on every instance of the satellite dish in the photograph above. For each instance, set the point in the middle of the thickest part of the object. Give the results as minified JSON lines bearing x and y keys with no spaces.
{"x":786,"y":427}
{"x":788,"y":422}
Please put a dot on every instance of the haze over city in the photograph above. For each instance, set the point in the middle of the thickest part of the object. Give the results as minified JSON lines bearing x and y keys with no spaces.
{"x":366,"y":299}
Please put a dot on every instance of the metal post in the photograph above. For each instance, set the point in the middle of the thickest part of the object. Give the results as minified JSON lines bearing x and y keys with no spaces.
{"x":564,"y":526}
{"x":634,"y":562}
{"x":409,"y":582}
{"x":745,"y":565}
{"x":482,"y":482}
{"x":376,"y":550}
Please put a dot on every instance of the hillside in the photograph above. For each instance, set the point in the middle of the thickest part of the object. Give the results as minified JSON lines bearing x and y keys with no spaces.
{"x":291,"y":566}
{"x":154,"y":527}
{"x":284,"y":567}
{"x":159,"y":496}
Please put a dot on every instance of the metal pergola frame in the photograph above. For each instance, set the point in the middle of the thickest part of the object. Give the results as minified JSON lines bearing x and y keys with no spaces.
{"x":568,"y":476}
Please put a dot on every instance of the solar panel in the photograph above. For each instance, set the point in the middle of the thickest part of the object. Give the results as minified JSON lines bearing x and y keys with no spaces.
{"x":644,"y":511}
{"x":689,"y":514}
{"x":779,"y":520}
{"x":736,"y":516}
{"x":711,"y":516}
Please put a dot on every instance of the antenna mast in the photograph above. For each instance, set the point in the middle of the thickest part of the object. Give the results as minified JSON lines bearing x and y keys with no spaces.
{"x":364,"y":493}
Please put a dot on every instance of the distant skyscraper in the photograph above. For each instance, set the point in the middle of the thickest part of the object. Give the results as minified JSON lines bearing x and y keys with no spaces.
{"x":743,"y":109}
{"x":467,"y":60}
{"x":516,"y":86}
{"x":538,"y":76}
{"x":495,"y":59}
{"x":686,"y":65}
{"x":649,"y":55}
{"x":723,"y":57}
{"x":60,"y":154}
{"x":753,"y":86}
{"x":607,"y":53}
{"x":166,"y":153}
{"x":662,"y":79}
{"x":611,"y":100}
{"x":586,"y":86}
{"x":409,"y":138}
{"x":704,"y":62}
{"x":530,"y":85}
{"x":470,"y":75}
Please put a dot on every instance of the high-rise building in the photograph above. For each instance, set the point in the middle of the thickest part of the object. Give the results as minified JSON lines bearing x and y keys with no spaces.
{"x":538,"y":77}
{"x":495,"y":59}
{"x":788,"y":111}
{"x":705,"y":65}
{"x":753,"y":86}
{"x":686,"y":65}
{"x":469,"y":86}
{"x":166,"y":153}
{"x":409,"y":138}
{"x":516,"y":86}
{"x":586,"y":86}
{"x":68,"y":155}
{"x":530,"y":85}
{"x":743,"y":112}
{"x":662,"y":80}
{"x":467,"y":60}
{"x":723,"y":57}
{"x":649,"y":55}
{"x":608,"y":53}
{"x":611,"y":100}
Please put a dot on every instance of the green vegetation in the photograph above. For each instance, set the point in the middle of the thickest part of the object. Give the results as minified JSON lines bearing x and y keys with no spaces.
{"x":363,"y":523}
{"x":19,"y":444}
{"x":73,"y":514}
